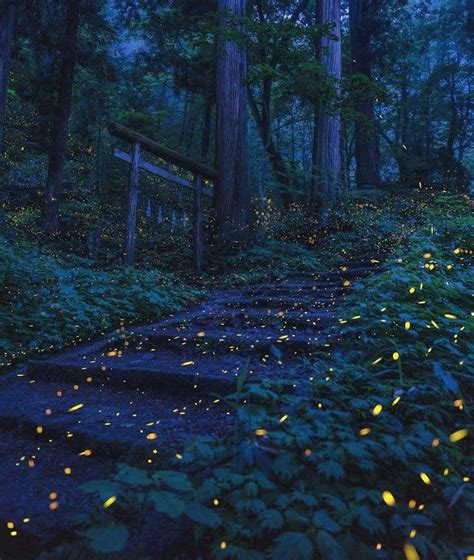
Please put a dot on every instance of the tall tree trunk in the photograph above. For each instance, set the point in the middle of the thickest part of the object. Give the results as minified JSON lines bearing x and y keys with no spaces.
{"x":232,"y":193}
{"x":367,"y":149}
{"x":57,"y":154}
{"x":263,"y":120}
{"x":328,"y":145}
{"x":7,"y":24}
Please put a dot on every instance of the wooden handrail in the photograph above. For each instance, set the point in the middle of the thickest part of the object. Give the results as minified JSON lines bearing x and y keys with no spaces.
{"x":163,"y":152}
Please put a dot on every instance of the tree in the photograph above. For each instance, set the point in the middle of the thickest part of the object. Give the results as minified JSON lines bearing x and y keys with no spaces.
{"x":7,"y":23}
{"x":328,"y":140}
{"x":57,"y":153}
{"x":232,"y":192}
{"x":361,"y":17}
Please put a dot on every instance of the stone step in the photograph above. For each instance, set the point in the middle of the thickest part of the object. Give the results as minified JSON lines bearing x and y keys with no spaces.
{"x":237,"y":319}
{"x":111,"y":421}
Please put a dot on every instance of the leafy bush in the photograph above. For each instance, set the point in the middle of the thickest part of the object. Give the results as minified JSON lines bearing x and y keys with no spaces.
{"x":47,"y":302}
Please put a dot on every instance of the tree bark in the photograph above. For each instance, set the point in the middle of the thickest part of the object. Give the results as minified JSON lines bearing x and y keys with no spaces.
{"x":232,"y":192}
{"x":7,"y":24}
{"x":366,"y":140}
{"x":57,"y":154}
{"x":328,"y":145}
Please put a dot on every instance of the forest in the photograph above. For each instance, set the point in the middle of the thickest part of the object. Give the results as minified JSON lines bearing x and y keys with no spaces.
{"x":236,"y":254}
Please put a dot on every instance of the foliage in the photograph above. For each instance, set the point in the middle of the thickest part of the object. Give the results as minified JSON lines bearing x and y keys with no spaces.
{"x":47,"y":302}
{"x":369,"y":453}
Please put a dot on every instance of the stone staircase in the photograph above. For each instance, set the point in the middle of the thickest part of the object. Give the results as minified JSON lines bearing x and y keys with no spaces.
{"x":141,"y":395}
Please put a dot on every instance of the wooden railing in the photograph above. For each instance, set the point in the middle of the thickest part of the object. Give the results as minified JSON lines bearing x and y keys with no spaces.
{"x":201,"y":173}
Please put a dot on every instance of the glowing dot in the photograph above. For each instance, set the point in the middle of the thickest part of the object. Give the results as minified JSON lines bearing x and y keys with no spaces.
{"x":53,"y":506}
{"x":450,"y":316}
{"x":377,"y":409}
{"x":413,"y":533}
{"x":364,"y":431}
{"x":376,"y":361}
{"x":67,"y":471}
{"x":152,"y":436}
{"x":179,"y":456}
{"x":388,"y":498}
{"x":407,"y":325}
{"x":283,"y":418}
{"x":396,"y":400}
{"x":425,"y":478}
{"x":39,"y":429}
{"x":446,"y":471}
{"x":378,"y":546}
{"x":396,"y":356}
{"x":215,"y":502}
{"x":307,"y":452}
{"x":86,"y":453}
{"x":410,"y":552}
{"x":190,"y":363}
{"x":75,"y":407}
{"x":53,"y":495}
{"x":260,"y":432}
{"x":109,"y":501}
{"x":223,"y":545}
{"x":412,"y":504}
{"x":457,"y":251}
{"x":412,"y":290}
{"x":435,"y":442}
{"x":459,"y":435}
{"x":427,"y":256}
{"x":10,"y":525}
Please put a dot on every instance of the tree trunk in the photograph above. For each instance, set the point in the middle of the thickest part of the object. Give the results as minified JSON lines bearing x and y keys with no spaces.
{"x":232,"y":192}
{"x":367,"y":149}
{"x":7,"y":24}
{"x":57,"y":154}
{"x":263,"y":121}
{"x":328,"y":145}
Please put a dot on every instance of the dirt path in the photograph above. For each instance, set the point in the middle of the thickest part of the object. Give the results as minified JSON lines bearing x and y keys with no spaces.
{"x":69,"y":419}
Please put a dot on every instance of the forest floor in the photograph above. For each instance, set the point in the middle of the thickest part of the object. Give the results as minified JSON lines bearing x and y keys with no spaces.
{"x":141,"y":396}
{"x":378,"y":308}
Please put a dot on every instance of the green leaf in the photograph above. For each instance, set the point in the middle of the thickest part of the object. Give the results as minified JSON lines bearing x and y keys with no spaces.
{"x":328,"y":547}
{"x":202,"y":515}
{"x":175,"y":480}
{"x":167,"y":502}
{"x":133,"y":476}
{"x":293,"y":546}
{"x":322,"y":520}
{"x":270,"y":520}
{"x":107,"y":539}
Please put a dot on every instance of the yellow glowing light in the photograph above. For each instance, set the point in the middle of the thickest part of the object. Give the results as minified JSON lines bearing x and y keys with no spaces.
{"x":396,"y":356}
{"x":425,"y":478}
{"x":377,"y":409}
{"x":152,"y":436}
{"x":364,"y":431}
{"x":410,"y":552}
{"x":388,"y":498}
{"x":260,"y":432}
{"x":407,"y":325}
{"x":75,"y":407}
{"x":283,"y":418}
{"x":459,"y":435}
{"x":109,"y":501}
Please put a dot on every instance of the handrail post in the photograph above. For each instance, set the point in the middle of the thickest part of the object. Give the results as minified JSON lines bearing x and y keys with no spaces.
{"x":197,"y":225}
{"x":132,"y":204}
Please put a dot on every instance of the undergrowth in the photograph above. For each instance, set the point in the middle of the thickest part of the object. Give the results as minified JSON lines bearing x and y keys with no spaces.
{"x":47,"y":302}
{"x":367,"y":457}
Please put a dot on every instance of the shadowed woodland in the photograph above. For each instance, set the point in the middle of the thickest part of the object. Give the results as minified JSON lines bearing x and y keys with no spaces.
{"x":235,"y":265}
